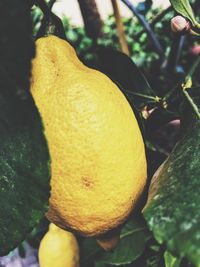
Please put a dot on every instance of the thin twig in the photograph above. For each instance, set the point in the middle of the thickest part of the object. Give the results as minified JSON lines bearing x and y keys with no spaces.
{"x":185,"y":90}
{"x":193,"y":67}
{"x":120,"y":28}
{"x":175,"y":52}
{"x":147,"y":28}
{"x":155,"y":99}
{"x":44,"y":7}
{"x":155,"y":20}
{"x":51,"y":24}
{"x":170,"y":93}
{"x":191,"y":102}
{"x":178,"y":85}
{"x":51,"y":3}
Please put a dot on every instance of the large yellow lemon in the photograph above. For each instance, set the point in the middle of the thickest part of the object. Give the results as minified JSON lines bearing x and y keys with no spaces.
{"x":98,"y":159}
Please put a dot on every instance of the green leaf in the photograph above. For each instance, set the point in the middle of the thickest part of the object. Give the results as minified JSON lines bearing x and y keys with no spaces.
{"x":173,"y":207}
{"x":24,"y":170}
{"x":132,"y":244}
{"x":88,"y":251}
{"x":184,"y":8}
{"x":100,"y":264}
{"x":170,"y":260}
{"x":122,"y":70}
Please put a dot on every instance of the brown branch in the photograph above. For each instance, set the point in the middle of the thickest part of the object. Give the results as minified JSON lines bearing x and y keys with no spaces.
{"x":92,"y":19}
{"x":120,"y":28}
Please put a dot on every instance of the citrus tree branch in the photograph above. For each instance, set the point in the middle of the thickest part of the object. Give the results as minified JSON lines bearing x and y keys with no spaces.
{"x":51,"y":3}
{"x":51,"y":24}
{"x":185,"y":90}
{"x":120,"y":28}
{"x":156,"y":19}
{"x":191,"y":102}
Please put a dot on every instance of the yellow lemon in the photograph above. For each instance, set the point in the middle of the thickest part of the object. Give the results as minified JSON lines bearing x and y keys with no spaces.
{"x":98,"y":159}
{"x":58,"y":248}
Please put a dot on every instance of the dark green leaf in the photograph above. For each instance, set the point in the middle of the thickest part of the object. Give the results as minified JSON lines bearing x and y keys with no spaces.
{"x":173,"y":206}
{"x":132,"y":244}
{"x":24,"y":168}
{"x":122,"y":70}
{"x":89,"y":250}
{"x":100,"y":264}
{"x":184,"y":8}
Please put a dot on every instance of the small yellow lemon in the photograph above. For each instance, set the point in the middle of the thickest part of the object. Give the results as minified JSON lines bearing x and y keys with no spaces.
{"x":98,"y":159}
{"x":58,"y":248}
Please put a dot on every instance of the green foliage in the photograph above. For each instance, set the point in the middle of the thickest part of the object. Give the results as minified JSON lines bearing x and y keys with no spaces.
{"x":133,"y":239}
{"x":172,"y":210}
{"x":170,"y":260}
{"x":131,"y":248}
{"x":138,"y":43}
{"x":37,"y":16}
{"x":24,"y":180}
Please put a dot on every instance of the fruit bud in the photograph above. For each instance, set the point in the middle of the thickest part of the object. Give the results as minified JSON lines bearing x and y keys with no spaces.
{"x":180,"y":25}
{"x":195,"y":50}
{"x":108,"y":243}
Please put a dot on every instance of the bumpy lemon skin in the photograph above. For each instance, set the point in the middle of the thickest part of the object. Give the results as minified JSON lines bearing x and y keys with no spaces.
{"x":98,"y":159}
{"x":58,"y":248}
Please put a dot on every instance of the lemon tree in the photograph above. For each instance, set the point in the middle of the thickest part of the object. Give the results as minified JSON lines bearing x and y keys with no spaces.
{"x":82,"y":151}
